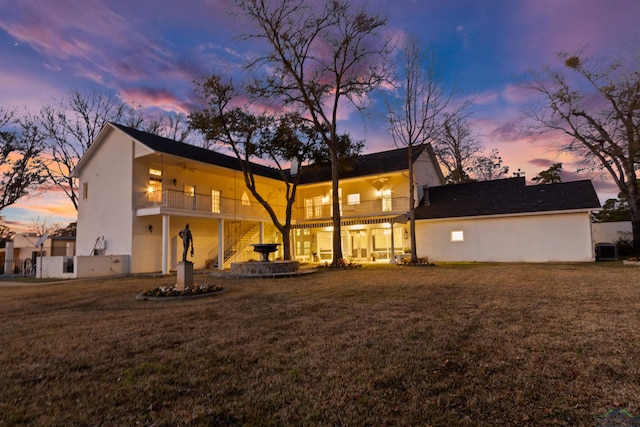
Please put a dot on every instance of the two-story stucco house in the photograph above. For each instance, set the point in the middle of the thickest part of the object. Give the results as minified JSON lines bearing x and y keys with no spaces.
{"x":138,"y":190}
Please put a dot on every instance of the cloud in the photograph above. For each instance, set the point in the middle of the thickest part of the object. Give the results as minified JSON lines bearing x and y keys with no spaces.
{"x":545,"y":27}
{"x":118,"y":48}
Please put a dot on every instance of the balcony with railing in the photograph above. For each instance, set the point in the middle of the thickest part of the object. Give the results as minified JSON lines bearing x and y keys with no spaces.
{"x":364,"y":208}
{"x":223,"y":207}
{"x":206,"y":204}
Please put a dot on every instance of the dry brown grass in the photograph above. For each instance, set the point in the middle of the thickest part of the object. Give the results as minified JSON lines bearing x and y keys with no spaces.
{"x":452,"y":345}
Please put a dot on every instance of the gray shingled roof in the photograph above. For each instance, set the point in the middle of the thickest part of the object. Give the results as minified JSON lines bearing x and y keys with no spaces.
{"x":187,"y":151}
{"x":367,"y":164}
{"x":505,"y":196}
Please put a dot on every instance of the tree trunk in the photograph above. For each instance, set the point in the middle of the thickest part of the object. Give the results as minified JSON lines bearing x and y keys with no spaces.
{"x":286,"y":242}
{"x":412,"y":209}
{"x":633,"y":198}
{"x":335,"y":191}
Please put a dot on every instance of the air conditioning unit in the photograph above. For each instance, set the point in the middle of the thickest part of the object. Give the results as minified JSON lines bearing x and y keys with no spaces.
{"x":606,"y":252}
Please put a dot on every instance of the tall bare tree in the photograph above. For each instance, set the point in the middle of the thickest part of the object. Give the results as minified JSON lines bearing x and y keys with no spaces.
{"x":417,"y":116}
{"x":277,"y":139}
{"x":21,"y":165}
{"x":320,"y":53}
{"x":488,"y":166}
{"x":71,"y":126}
{"x":457,"y":147}
{"x":597,"y":105}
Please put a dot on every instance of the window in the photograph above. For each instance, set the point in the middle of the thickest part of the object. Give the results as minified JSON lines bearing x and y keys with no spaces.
{"x":85,"y":190}
{"x":154,"y":190}
{"x":457,"y":236}
{"x":386,"y":201}
{"x":189,"y":201}
{"x":353,"y":199}
{"x":313,"y":207}
{"x":245,"y":199}
{"x":215,"y":201}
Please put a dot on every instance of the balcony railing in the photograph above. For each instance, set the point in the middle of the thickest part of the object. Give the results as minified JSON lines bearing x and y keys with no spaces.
{"x":363,"y":208}
{"x":223,"y":206}
{"x":204,"y":203}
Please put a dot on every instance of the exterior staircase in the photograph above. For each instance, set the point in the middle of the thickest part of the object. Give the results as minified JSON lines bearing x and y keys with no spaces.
{"x":240,"y":243}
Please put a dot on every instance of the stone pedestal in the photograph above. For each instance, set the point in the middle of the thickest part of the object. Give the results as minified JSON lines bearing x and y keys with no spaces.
{"x":185,"y":275}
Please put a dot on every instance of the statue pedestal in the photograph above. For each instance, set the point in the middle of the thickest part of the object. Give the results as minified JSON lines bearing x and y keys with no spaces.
{"x":185,"y":275}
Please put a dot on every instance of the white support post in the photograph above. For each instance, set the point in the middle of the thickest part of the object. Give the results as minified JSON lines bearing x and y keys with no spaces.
{"x":261,"y":232}
{"x":8,"y":258}
{"x":165,"y":244}
{"x":393,"y":248}
{"x":221,"y":244}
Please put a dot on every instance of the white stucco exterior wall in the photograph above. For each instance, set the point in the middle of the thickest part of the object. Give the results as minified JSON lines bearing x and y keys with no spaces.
{"x":526,"y":238}
{"x":107,"y":209}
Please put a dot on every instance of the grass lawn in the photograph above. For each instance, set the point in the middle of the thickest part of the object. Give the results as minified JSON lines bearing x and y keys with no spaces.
{"x":485,"y":344}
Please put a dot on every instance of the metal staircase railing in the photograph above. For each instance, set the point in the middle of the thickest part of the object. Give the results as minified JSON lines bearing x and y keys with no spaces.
{"x":241,"y":243}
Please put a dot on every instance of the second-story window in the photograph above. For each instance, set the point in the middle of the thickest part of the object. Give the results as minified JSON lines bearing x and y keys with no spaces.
{"x":313,"y":207}
{"x":154,"y":189}
{"x":215,"y":201}
{"x":353,"y":199}
{"x":386,"y":201}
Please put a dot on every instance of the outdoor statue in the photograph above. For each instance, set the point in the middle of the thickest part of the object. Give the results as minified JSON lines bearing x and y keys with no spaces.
{"x":187,"y":239}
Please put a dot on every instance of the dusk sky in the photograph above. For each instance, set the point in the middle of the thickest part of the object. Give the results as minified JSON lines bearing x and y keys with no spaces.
{"x":151,"y":51}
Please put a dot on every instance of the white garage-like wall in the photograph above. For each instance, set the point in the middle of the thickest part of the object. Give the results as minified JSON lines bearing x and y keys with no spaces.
{"x":564,"y":237}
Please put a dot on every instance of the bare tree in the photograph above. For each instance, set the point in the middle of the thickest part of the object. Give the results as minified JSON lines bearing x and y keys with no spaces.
{"x":416,"y":118}
{"x":600,"y":113}
{"x":71,"y":127}
{"x":319,"y":55}
{"x":20,"y":158}
{"x":279,"y":140}
{"x":487,"y":167}
{"x":172,"y":125}
{"x":463,"y":154}
{"x":457,"y":148}
{"x":43,"y":225}
{"x":6,"y":234}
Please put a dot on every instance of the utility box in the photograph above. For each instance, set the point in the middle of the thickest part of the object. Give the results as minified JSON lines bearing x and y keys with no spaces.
{"x":606,"y":252}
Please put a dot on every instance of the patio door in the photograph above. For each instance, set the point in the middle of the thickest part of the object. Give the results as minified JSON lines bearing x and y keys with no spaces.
{"x":358,"y":244}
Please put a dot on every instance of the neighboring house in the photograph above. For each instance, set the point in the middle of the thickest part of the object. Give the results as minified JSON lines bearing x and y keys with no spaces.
{"x":507,"y":221}
{"x":138,"y":190}
{"x":19,"y":256}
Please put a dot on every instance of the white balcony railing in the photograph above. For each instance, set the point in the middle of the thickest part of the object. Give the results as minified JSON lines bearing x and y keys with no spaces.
{"x":363,"y":208}
{"x":223,"y":206}
{"x":204,"y":203}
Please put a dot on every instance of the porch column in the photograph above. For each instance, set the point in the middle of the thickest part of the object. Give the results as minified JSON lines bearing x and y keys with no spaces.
{"x":165,"y":244}
{"x":393,"y":249}
{"x":8,"y":258}
{"x":221,"y":244}
{"x":261,"y":234}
